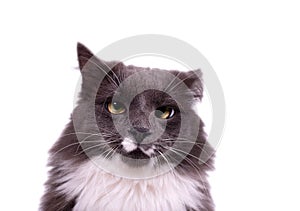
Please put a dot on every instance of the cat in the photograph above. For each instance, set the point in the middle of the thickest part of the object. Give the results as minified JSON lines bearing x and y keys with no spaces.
{"x":134,"y":142}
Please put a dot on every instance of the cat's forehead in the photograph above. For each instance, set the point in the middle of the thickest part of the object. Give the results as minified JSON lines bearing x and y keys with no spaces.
{"x":150,"y":84}
{"x":133,"y":77}
{"x":136,"y":80}
{"x":125,"y":71}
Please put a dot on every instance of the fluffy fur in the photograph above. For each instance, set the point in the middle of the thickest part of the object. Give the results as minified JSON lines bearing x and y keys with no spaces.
{"x":94,"y":189}
{"x":136,"y":161}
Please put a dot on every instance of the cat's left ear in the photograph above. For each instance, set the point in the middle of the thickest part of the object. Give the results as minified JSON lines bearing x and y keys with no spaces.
{"x":193,"y":80}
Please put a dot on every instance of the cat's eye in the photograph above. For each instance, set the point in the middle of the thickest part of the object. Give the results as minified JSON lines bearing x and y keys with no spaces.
{"x":116,"y":107}
{"x":164,"y":112}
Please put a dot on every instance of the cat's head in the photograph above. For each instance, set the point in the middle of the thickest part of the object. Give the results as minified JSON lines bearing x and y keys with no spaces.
{"x":143,"y":116}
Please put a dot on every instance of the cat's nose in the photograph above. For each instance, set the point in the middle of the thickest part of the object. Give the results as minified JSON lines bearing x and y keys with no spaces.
{"x":141,"y":129}
{"x":139,"y":133}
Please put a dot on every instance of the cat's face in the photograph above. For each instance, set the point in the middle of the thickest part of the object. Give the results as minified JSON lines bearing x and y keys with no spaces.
{"x":138,"y":114}
{"x":137,"y":126}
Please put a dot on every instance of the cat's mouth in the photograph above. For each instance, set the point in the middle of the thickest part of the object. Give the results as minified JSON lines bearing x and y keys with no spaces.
{"x":137,"y":154}
{"x":135,"y":158}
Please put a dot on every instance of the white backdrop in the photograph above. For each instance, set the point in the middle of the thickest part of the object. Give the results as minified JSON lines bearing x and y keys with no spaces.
{"x":254,"y":47}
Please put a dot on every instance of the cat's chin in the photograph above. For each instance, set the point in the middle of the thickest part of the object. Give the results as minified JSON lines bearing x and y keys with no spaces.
{"x":136,"y":162}
{"x":135,"y":158}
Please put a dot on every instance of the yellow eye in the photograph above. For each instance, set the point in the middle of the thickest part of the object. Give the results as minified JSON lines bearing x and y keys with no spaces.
{"x":116,"y":107}
{"x":164,"y":112}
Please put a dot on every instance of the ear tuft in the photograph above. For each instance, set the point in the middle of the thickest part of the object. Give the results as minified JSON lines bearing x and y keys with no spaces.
{"x":83,"y":54}
{"x":193,"y":80}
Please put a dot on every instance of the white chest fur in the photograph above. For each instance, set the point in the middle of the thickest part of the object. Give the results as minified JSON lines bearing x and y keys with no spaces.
{"x":98,"y":190}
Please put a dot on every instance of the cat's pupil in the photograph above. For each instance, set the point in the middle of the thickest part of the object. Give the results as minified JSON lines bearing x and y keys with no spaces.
{"x":117,"y":105}
{"x":164,"y":112}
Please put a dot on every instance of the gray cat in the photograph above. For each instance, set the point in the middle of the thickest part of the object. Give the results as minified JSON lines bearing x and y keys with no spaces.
{"x":134,"y":142}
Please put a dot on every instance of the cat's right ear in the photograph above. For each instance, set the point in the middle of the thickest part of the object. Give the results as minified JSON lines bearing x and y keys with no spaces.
{"x":90,"y":63}
{"x":84,"y":55}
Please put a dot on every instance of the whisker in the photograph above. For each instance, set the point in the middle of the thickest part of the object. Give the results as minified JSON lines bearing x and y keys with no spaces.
{"x":186,"y":154}
{"x":91,"y":147}
{"x":75,"y":133}
{"x":197,"y":168}
{"x":112,"y":150}
{"x":171,"y":168}
{"x":86,"y":133}
{"x":104,"y":67}
{"x":78,"y":143}
{"x":199,"y":145}
{"x":157,"y":163}
{"x":107,"y":130}
{"x":97,"y":145}
{"x":65,"y":148}
{"x":85,"y":140}
{"x":166,"y":89}
{"x":180,"y":82}
{"x":202,"y":150}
